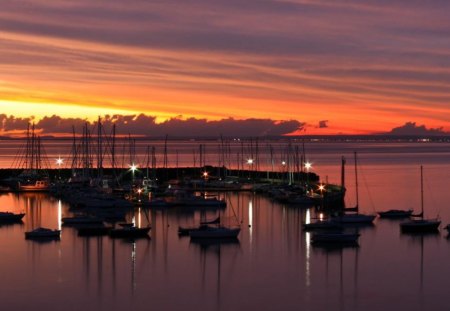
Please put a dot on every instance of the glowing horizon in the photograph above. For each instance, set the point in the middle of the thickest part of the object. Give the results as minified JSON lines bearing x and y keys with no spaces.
{"x":338,"y":69}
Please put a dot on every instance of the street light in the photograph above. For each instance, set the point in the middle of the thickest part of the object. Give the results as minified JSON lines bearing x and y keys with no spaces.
{"x":283,"y":170}
{"x":133,"y":168}
{"x":250,"y":165}
{"x":139,"y":191}
{"x":308,"y":166}
{"x":59,"y":162}
{"x":321,"y":189}
{"x":205,"y":175}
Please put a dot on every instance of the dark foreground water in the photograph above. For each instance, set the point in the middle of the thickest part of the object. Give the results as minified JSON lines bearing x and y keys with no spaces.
{"x":272,"y":266}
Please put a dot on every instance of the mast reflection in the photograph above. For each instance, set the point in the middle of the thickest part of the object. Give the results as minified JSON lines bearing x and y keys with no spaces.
{"x":216,"y":250}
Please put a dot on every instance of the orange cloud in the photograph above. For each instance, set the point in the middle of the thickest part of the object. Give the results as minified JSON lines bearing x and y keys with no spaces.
{"x":364,"y":67}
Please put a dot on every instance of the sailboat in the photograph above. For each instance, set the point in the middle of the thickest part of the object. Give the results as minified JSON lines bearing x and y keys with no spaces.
{"x":34,"y":177}
{"x":395,"y":213}
{"x":335,"y":237}
{"x":353,"y":216}
{"x":420,"y":225}
{"x":211,"y":229}
{"x":214,"y":229}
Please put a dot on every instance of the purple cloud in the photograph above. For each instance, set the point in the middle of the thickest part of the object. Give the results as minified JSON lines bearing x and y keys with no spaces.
{"x":412,"y":129}
{"x":147,"y":126}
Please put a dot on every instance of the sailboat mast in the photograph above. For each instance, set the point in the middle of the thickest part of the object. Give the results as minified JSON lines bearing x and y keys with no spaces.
{"x":113,"y":149}
{"x":343,"y":173}
{"x":421,"y":190}
{"x":356,"y":181}
{"x":99,"y":149}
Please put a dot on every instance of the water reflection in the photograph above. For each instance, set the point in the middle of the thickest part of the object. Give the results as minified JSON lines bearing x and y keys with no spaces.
{"x":213,"y":260}
{"x":250,"y":222}
{"x":419,"y":243}
{"x":272,"y":260}
{"x":308,"y":250}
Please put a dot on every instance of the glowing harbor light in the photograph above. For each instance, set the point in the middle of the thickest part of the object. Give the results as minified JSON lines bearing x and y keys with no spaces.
{"x":283,"y":163}
{"x":205,"y":174}
{"x":308,"y":166}
{"x":321,"y":187}
{"x":133,"y":167}
{"x":250,"y":161}
{"x":59,"y":161}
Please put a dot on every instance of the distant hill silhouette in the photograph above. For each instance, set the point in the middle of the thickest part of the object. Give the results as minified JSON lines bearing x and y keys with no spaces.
{"x":412,"y":129}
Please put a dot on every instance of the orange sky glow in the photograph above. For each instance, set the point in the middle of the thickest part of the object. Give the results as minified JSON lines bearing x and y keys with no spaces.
{"x":349,"y":68}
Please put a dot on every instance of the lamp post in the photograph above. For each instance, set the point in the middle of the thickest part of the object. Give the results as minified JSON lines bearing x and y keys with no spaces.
{"x":283,"y":164}
{"x":308,"y":166}
{"x":139,"y":191}
{"x":133,"y":168}
{"x":59,"y":162}
{"x":250,"y":167}
{"x":321,"y":189}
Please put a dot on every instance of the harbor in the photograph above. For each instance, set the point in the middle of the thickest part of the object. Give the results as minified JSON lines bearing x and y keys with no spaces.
{"x":272,"y":257}
{"x":224,"y":155}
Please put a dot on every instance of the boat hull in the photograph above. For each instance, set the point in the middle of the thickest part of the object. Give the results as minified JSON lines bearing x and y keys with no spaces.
{"x":43,"y":233}
{"x":355,"y":219}
{"x":81,"y":220}
{"x":395,"y":214}
{"x":129,"y":232}
{"x":94,"y":231}
{"x":419,"y":226}
{"x":214,"y":233}
{"x":6,"y":217}
{"x":322,"y":225}
{"x":335,"y":238}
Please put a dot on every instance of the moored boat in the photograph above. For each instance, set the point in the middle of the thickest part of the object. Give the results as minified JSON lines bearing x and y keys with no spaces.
{"x":79,"y":220}
{"x":351,"y":215}
{"x":43,"y":233}
{"x":335,"y":237}
{"x":420,"y":225}
{"x":8,"y":217}
{"x":34,"y":186}
{"x":94,"y":230}
{"x":354,"y":219}
{"x":395,"y":213}
{"x":184,"y":198}
{"x":322,"y":225}
{"x":129,"y":231}
{"x":205,"y":231}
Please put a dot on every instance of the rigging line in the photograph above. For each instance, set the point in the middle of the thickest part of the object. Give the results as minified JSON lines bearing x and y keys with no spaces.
{"x":18,"y":159}
{"x":363,"y":175}
{"x":432,"y":199}
{"x":234,"y":212}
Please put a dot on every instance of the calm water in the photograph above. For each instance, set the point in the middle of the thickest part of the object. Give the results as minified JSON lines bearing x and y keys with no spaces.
{"x":272,"y":267}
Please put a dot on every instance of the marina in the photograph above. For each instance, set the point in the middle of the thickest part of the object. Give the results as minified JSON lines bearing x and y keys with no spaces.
{"x":144,"y":269}
{"x":224,"y":155}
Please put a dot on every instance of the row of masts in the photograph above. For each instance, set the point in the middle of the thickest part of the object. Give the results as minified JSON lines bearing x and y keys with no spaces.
{"x":32,"y":159}
{"x":96,"y":149}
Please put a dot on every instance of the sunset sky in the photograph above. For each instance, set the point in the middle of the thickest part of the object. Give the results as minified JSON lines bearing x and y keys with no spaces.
{"x":352,"y":67}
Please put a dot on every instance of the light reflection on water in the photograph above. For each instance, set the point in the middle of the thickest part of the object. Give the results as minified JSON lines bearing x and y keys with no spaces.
{"x":175,"y":273}
{"x":272,"y":266}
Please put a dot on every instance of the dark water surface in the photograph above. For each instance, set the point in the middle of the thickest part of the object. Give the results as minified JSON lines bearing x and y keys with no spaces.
{"x":272,"y":266}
